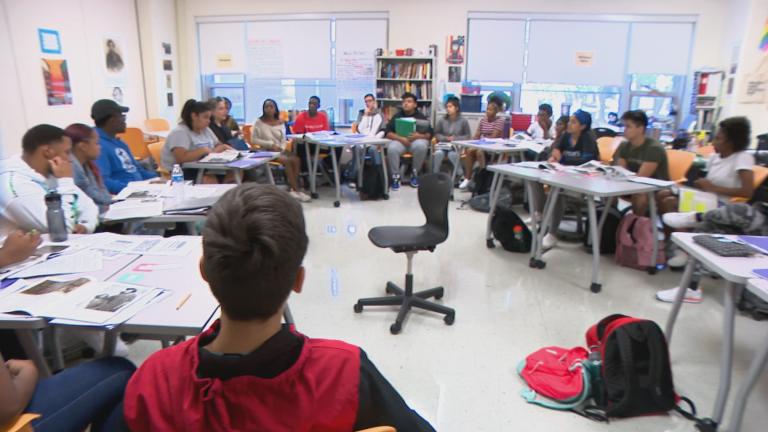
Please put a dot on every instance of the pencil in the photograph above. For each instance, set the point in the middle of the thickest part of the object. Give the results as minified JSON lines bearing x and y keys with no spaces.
{"x":183,"y":301}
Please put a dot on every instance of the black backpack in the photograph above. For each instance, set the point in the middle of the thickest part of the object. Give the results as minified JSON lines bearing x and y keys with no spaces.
{"x":510,"y":230}
{"x":608,"y":234}
{"x":373,"y":182}
{"x":482,"y":180}
{"x":753,"y":305}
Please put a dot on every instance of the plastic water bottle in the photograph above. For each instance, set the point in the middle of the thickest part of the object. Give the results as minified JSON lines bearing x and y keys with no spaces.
{"x":57,"y":227}
{"x":177,"y":182}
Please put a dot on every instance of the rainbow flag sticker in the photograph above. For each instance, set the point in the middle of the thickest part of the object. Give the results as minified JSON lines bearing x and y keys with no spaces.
{"x":764,"y":39}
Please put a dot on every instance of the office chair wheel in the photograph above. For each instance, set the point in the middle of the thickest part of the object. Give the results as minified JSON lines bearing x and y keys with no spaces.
{"x":651,"y":270}
{"x":489,"y":243}
{"x":358,"y":308}
{"x":595,"y":287}
{"x":395,"y":328}
{"x":315,"y":195}
{"x":337,"y":203}
{"x":449,"y":319}
{"x":451,"y":197}
{"x":385,"y":196}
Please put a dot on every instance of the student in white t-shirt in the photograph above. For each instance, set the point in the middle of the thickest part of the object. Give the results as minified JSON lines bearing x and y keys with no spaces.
{"x":543,"y":128}
{"x":729,"y":174}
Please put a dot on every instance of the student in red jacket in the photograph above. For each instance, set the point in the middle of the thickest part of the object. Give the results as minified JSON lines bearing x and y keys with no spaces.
{"x":248,"y":371}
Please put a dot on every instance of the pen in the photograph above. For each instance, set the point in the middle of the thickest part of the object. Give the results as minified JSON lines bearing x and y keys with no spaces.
{"x":183,"y":301}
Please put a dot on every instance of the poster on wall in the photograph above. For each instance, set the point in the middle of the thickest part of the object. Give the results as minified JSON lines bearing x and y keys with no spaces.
{"x":114,"y":62}
{"x":57,"y":88}
{"x":764,"y":38}
{"x":454,"y":74}
{"x":585,"y":58}
{"x":49,"y":41}
{"x":168,"y":82}
{"x":454,"y":49}
{"x":116,"y":94}
{"x":167,"y":65}
{"x":754,"y":89}
{"x":169,"y":97}
{"x":166,"y":48}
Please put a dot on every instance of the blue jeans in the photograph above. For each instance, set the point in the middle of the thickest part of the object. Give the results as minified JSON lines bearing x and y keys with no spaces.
{"x":87,"y":394}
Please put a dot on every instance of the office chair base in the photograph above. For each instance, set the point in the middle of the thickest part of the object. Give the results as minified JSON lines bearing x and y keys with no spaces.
{"x":407,"y":300}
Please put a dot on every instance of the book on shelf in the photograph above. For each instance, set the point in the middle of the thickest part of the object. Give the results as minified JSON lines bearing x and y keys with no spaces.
{"x":421,"y":70}
{"x":395,"y":90}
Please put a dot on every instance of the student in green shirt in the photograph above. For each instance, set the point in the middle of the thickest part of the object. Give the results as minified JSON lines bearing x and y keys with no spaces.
{"x":641,"y":154}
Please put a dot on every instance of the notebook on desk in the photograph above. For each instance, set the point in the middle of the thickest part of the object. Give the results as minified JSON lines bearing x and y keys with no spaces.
{"x":223,"y":157}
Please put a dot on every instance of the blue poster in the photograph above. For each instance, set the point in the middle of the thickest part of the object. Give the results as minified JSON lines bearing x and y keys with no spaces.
{"x":49,"y":41}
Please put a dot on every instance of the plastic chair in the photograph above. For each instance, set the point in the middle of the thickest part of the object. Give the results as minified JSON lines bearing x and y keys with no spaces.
{"x":705,"y":151}
{"x":607,"y":147}
{"x":247,"y":133}
{"x":759,"y":174}
{"x":680,"y":162}
{"x":134,"y":137}
{"x":156,"y":124}
{"x":155,"y":150}
{"x":434,"y":194}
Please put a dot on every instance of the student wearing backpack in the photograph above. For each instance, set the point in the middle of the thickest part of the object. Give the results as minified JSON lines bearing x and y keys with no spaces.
{"x":729,"y":174}
{"x":642,"y":155}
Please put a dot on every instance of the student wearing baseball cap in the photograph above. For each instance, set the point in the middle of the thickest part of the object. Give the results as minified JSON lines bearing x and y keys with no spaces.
{"x":116,"y":162}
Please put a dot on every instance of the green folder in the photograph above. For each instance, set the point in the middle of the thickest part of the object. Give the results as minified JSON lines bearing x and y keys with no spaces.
{"x":405,"y":126}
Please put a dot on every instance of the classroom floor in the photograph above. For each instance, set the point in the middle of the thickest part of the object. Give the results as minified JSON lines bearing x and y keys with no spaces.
{"x":462,"y":377}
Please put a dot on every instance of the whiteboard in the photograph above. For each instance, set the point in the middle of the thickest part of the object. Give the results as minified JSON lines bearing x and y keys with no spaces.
{"x":296,"y":49}
{"x":356,"y":43}
{"x":495,"y":50}
{"x":555,"y":46}
{"x":221,"y":39}
{"x":660,"y":48}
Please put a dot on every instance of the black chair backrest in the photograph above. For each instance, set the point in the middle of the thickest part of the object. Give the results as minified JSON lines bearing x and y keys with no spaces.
{"x":434,"y":195}
{"x":603,"y":132}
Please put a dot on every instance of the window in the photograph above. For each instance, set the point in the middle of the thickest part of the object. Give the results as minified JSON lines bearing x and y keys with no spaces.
{"x":567,"y":98}
{"x":658,"y":95}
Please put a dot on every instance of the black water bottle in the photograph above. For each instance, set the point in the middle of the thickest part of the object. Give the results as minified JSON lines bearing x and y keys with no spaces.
{"x":57,"y":226}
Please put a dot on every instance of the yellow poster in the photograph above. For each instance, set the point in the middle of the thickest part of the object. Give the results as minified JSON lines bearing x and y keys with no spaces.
{"x":585,"y":58}
{"x":224,"y":61}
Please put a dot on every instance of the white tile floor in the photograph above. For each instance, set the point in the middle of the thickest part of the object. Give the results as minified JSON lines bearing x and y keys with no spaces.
{"x":462,"y":377}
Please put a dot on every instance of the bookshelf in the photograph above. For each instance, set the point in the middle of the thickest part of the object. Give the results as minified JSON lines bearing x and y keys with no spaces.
{"x":396,"y":75}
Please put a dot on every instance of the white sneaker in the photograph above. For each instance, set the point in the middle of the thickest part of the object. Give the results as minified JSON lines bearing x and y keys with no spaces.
{"x":680,"y":259}
{"x":300,"y":196}
{"x":463,"y":185}
{"x":680,"y":220}
{"x":668,"y":295}
{"x":549,"y":241}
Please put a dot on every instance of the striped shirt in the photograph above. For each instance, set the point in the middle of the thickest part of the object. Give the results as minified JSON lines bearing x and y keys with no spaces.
{"x":487,"y":128}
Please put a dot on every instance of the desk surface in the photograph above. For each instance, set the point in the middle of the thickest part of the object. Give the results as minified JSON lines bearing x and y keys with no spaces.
{"x":341,"y":140}
{"x":500,"y":146}
{"x":517,"y":171}
{"x":737,"y":270}
{"x":600,"y":186}
{"x":254,"y":162}
{"x":191,"y":200}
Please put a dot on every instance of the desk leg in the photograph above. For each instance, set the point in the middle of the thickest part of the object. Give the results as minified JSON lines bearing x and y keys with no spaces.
{"x":336,"y":177}
{"x":608,"y":204}
{"x":56,"y":352}
{"x":310,"y":173}
{"x":313,"y":174}
{"x":726,"y":359}
{"x":549,"y":208}
{"x":684,"y":282}
{"x":29,"y":344}
{"x":269,"y":173}
{"x":455,"y":168}
{"x":384,"y":170}
{"x":655,"y":231}
{"x":238,"y":173}
{"x":532,"y":205}
{"x":110,"y":343}
{"x":359,"y":152}
{"x":288,"y":316}
{"x":494,"y":196}
{"x":740,"y":404}
{"x":199,"y":178}
{"x":595,"y":286}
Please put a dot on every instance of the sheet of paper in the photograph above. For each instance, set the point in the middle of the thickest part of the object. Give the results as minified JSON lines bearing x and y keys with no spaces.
{"x":81,"y":262}
{"x":759,"y":242}
{"x":144,"y":190}
{"x":171,"y":246}
{"x":197,"y":197}
{"x":135,"y":209}
{"x":223,"y":157}
{"x":652,"y":182}
{"x":696,"y":200}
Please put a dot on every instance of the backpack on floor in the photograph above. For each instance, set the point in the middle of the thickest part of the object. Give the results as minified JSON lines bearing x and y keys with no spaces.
{"x":510,"y":230}
{"x":559,"y":375}
{"x":373,"y":187}
{"x":481,"y":180}
{"x":753,"y":305}
{"x":634,"y":243}
{"x":608,"y":234}
{"x":636,"y":376}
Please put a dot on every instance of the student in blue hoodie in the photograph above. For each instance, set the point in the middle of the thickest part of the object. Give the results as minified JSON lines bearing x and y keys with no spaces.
{"x":116,"y":162}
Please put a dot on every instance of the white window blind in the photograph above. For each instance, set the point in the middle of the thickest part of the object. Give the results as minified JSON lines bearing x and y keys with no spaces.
{"x":495,"y":50}
{"x":660,"y":48}
{"x":299,"y":49}
{"x":356,"y":44}
{"x":577,"y":52}
{"x":219,"y":42}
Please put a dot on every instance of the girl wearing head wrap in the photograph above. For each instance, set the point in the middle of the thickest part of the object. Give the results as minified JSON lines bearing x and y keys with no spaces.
{"x":578,"y":144}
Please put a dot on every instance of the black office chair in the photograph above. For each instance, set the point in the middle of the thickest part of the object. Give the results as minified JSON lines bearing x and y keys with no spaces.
{"x":434,"y":193}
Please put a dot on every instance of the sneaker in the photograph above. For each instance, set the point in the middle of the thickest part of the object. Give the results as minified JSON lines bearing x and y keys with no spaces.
{"x":300,"y":196}
{"x":396,"y":183}
{"x":464,"y":184}
{"x":668,"y":295}
{"x":352,"y":185}
{"x":680,"y":220}
{"x":678,"y":260}
{"x":414,"y":181}
{"x":549,"y":241}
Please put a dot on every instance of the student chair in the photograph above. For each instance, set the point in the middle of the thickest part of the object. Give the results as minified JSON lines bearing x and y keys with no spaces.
{"x":156,"y":125}
{"x":607,"y":147}
{"x":155,"y":149}
{"x":134,"y":137}
{"x":604,"y":132}
{"x":680,"y":162}
{"x":434,"y":193}
{"x":759,"y":174}
{"x":247,"y":131}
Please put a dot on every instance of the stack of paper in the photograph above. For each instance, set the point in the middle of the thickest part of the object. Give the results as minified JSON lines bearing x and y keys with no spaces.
{"x":144,"y":190}
{"x":223,"y":157}
{"x":79,"y":262}
{"x":143,"y":245}
{"x":135,"y":209}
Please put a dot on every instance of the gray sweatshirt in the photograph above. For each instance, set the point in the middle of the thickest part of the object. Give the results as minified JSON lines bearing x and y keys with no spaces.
{"x":457,"y":128}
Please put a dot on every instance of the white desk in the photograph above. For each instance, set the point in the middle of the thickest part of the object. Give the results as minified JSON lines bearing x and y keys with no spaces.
{"x":333,"y":142}
{"x":759,"y":287}
{"x":237,"y":170}
{"x":736,"y":272}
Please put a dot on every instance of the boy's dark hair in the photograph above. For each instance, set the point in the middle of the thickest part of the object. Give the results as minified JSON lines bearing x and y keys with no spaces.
{"x":563,"y":119}
{"x":317,"y":98}
{"x":453,"y":100}
{"x":408,"y":95}
{"x":638,"y":117}
{"x":40,"y":135}
{"x":367,"y":95}
{"x":496,"y":101}
{"x":547,"y":108}
{"x":737,"y":130}
{"x":253,"y":244}
{"x":196,"y":107}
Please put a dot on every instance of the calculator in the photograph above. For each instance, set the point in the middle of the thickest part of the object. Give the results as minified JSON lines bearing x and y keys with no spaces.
{"x":725,"y":247}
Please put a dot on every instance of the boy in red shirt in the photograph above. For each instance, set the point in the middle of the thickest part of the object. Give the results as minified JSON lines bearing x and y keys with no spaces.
{"x":313,"y":120}
{"x":248,"y":371}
